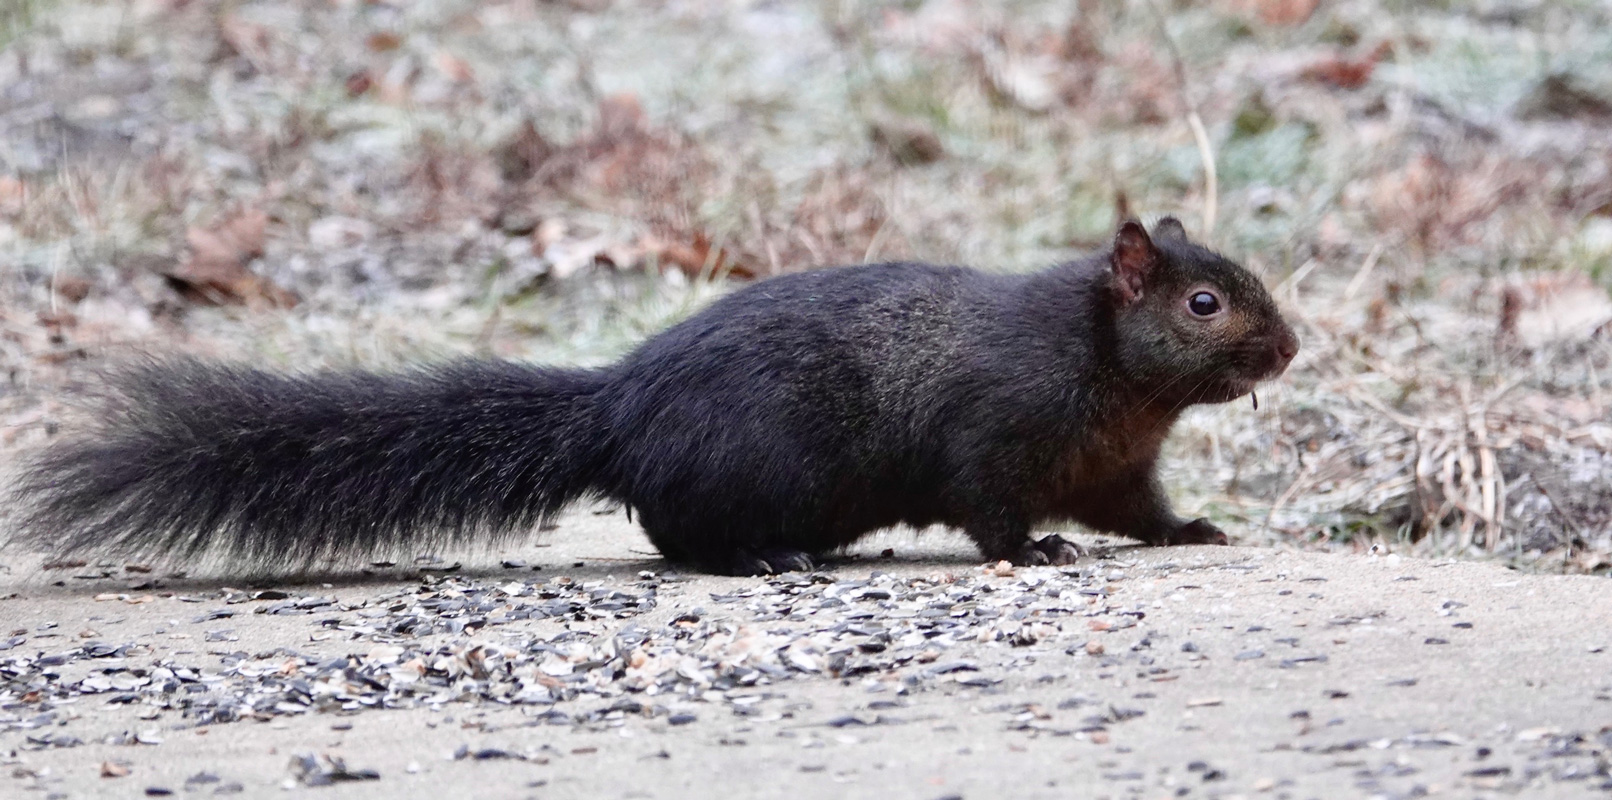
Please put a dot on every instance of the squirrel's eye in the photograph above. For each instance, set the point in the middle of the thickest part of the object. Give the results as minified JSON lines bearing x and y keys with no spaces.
{"x":1203,"y":304}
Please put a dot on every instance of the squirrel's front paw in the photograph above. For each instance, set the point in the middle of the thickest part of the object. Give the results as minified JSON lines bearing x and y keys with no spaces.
{"x":1199,"y":531}
{"x":1051,"y":549}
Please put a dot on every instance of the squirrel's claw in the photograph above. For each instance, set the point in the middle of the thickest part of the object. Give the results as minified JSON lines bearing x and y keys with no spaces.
{"x":771,"y":562}
{"x":1051,"y":549}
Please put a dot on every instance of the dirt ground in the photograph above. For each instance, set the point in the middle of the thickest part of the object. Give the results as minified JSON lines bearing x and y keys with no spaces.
{"x":1200,"y":672}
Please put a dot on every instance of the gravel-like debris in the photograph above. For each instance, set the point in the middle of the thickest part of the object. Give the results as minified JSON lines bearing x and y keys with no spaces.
{"x":1138,"y":672}
{"x":447,"y":641}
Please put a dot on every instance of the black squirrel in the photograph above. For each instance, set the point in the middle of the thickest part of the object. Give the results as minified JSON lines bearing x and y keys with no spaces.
{"x":784,"y":421}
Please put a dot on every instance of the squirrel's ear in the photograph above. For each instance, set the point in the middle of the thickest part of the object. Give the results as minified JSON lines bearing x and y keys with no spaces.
{"x":1169,"y":228}
{"x":1133,"y":260}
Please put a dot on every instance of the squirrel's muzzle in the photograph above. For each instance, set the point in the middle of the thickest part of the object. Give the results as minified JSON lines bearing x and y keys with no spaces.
{"x":1286,"y":347}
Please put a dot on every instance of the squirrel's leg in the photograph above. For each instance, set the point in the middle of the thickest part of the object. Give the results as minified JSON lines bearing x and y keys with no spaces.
{"x":697,"y":542}
{"x":742,"y":561}
{"x":1007,"y":538}
{"x":738,"y":561}
{"x":1141,"y":510}
{"x":704,"y":543}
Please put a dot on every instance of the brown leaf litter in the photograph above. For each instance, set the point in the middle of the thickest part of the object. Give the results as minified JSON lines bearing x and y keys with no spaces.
{"x":216,"y":271}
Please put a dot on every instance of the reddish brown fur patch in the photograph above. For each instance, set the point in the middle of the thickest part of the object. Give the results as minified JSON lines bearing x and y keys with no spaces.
{"x":1129,"y":441}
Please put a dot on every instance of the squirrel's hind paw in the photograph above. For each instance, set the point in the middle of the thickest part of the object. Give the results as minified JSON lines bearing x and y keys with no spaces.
{"x":1199,"y":531}
{"x":1051,"y":549}
{"x":770,"y":562}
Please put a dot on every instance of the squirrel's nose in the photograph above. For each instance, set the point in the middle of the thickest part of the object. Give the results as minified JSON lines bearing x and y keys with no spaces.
{"x":1287,"y":345}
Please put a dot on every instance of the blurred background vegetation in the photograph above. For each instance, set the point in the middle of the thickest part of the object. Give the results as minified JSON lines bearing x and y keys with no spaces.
{"x":297,"y":183}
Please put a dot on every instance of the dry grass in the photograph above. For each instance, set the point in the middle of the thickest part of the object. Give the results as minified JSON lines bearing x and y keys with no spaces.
{"x":1429,"y":187}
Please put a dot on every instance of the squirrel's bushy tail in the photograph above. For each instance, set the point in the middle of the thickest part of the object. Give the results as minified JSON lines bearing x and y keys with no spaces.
{"x":284,"y":470}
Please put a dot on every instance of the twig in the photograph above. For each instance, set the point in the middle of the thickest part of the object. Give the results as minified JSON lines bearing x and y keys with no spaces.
{"x":1562,"y":514}
{"x":877,"y":242}
{"x":1211,"y":179}
{"x":1364,"y":272}
{"x":1306,"y":472}
{"x":716,"y":267}
{"x":760,"y":225}
{"x":1291,"y":284}
{"x":1206,"y":151}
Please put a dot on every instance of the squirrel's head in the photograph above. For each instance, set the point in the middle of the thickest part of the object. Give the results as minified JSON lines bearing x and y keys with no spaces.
{"x":1193,"y":327}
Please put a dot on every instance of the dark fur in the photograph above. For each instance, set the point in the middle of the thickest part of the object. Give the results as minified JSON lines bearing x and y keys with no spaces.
{"x":786,"y":419}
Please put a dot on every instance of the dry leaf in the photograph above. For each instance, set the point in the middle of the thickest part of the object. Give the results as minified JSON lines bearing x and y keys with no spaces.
{"x":12,"y":194}
{"x":396,"y":85}
{"x":620,"y":115}
{"x":359,"y":82}
{"x":567,"y":257}
{"x":456,"y":68}
{"x":839,"y":219}
{"x":216,"y":272}
{"x":336,"y":232}
{"x":548,"y":232}
{"x":246,"y":39}
{"x":1552,"y":306}
{"x":1560,"y":97}
{"x":1150,"y":94}
{"x":523,"y":154}
{"x":1341,"y":72}
{"x":938,"y":27}
{"x":1281,"y":12}
{"x":149,"y":8}
{"x":383,"y":41}
{"x":73,"y":289}
{"x":114,"y":769}
{"x":1440,"y":203}
{"x":237,"y":239}
{"x":910,"y":141}
{"x":1029,"y":81}
{"x":1347,"y":73}
{"x":57,"y":320}
{"x":696,"y":259}
{"x":447,"y":182}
